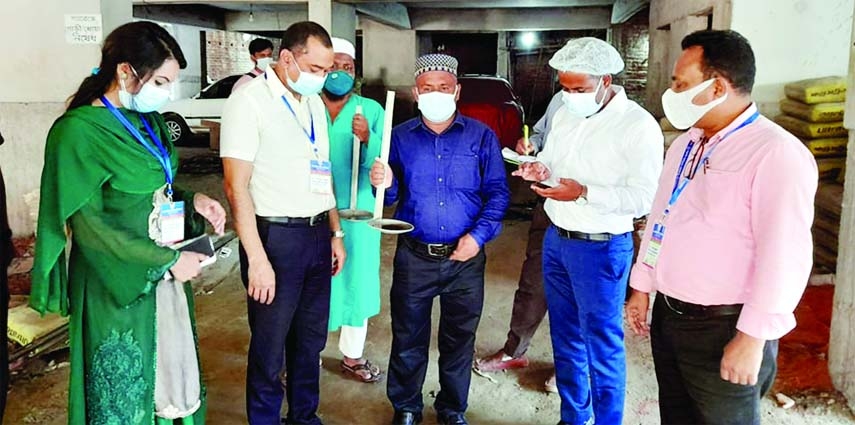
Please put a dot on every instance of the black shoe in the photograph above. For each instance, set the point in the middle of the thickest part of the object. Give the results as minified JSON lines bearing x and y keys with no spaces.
{"x":452,"y":419}
{"x":407,"y":418}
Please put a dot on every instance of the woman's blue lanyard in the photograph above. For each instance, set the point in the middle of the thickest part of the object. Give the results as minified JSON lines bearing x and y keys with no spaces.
{"x":161,"y":154}
{"x":681,"y":181}
{"x":310,"y":136}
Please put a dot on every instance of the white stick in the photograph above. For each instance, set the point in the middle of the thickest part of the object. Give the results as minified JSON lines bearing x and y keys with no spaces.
{"x":354,"y":172}
{"x":385,"y":146}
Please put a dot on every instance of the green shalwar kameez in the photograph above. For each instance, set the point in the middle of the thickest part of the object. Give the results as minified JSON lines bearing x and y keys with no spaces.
{"x":355,"y":294}
{"x":98,"y":182}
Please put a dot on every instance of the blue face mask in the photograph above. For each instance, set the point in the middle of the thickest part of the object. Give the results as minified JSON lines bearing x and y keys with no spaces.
{"x":149,"y":98}
{"x":339,"y":83}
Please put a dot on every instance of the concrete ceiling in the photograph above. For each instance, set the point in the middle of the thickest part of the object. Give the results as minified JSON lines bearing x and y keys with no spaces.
{"x":428,"y":15}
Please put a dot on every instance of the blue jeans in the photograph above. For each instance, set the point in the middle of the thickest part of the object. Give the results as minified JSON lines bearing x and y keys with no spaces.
{"x":585,"y":284}
{"x":295,"y":322}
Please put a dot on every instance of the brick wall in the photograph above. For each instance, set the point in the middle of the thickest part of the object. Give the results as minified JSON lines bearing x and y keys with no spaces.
{"x":631,"y":40}
{"x":227,"y":53}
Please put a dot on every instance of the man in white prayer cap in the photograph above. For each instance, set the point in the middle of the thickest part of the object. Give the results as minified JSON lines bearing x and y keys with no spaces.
{"x":598,"y":170}
{"x":355,"y":292}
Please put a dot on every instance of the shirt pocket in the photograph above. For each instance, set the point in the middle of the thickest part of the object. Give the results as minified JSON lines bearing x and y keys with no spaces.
{"x":720,"y":192}
{"x":465,"y":172}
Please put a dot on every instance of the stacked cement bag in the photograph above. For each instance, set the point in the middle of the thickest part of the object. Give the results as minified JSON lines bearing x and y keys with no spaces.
{"x":813,"y":111}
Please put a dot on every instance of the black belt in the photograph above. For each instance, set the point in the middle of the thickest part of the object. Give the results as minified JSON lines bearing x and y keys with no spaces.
{"x":297,"y":221}
{"x":593,"y":237}
{"x":683,"y":308}
{"x":438,"y":250}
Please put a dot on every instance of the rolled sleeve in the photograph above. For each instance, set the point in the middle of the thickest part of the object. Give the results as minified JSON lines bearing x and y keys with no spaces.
{"x":782,"y":209}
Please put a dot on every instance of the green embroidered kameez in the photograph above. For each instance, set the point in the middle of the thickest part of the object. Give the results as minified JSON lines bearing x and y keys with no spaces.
{"x":98,"y":183}
{"x":355,"y":292}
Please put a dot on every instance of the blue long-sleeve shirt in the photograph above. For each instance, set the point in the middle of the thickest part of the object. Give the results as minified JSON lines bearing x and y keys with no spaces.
{"x":449,"y":184}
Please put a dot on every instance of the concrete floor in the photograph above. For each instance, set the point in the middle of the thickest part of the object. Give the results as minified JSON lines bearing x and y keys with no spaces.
{"x":507,"y":398}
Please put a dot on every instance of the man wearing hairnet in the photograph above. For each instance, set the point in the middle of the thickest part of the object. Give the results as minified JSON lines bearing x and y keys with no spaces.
{"x":600,"y":166}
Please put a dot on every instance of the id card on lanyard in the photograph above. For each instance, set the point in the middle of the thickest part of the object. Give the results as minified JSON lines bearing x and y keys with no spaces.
{"x":657,"y":236}
{"x":167,"y":225}
{"x":320,"y":171}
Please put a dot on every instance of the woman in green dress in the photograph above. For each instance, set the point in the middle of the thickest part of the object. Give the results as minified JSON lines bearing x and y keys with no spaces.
{"x":107,"y":187}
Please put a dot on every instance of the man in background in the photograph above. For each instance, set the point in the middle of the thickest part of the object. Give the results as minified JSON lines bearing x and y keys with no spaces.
{"x":261,"y":53}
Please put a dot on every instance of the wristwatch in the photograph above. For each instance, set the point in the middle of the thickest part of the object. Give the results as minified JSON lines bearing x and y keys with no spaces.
{"x":583,"y":199}
{"x":337,"y":233}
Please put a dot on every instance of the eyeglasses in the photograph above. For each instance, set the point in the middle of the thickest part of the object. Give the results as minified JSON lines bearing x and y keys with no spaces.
{"x":698,"y":156}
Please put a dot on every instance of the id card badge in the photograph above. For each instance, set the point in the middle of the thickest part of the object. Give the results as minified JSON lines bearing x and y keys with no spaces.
{"x":171,"y":222}
{"x":320,"y":180}
{"x":654,"y":247}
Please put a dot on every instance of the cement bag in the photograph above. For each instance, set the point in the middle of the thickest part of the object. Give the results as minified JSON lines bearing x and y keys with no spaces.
{"x":817,"y":90}
{"x":825,"y":148}
{"x":810,"y":130}
{"x":830,"y":168}
{"x":820,"y":112}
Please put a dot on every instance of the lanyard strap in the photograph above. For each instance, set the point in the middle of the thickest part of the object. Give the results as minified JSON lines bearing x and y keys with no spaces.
{"x":161,"y":154}
{"x":310,"y":136}
{"x":680,"y":181}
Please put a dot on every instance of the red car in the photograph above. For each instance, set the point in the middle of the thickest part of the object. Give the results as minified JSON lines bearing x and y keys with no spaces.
{"x":491,"y":100}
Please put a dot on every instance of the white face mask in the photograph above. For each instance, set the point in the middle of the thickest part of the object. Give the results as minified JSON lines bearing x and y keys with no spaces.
{"x":436,"y":106}
{"x":583,"y":104}
{"x":263,"y":63}
{"x":680,"y":110}
{"x":149,"y":98}
{"x":307,"y":83}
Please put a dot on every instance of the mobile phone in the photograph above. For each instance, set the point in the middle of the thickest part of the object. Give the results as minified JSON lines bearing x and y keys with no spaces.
{"x":542,"y":185}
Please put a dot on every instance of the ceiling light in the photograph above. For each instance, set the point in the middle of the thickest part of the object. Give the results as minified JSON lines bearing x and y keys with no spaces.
{"x":528,"y":40}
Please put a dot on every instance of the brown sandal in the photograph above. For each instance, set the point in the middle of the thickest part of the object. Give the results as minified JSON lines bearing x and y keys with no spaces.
{"x":363,"y":372}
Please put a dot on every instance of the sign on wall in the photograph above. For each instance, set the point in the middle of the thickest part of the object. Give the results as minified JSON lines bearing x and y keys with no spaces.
{"x":83,"y":29}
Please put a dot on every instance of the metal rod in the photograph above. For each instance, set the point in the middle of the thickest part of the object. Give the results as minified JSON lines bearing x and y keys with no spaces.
{"x":354,"y":172}
{"x":385,"y":146}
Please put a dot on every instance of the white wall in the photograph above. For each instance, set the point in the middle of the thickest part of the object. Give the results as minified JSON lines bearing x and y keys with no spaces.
{"x":39,"y":71}
{"x":389,"y":53}
{"x":793,"y":40}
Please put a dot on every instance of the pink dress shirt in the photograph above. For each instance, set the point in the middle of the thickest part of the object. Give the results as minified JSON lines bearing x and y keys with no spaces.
{"x":740,"y":233}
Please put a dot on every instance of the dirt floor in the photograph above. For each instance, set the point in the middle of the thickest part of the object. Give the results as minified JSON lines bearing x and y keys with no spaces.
{"x":38,"y":395}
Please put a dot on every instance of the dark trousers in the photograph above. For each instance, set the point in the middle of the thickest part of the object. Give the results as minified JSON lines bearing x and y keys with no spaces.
{"x":296,"y":321}
{"x":687,"y":354}
{"x":4,"y":349}
{"x":529,"y":300}
{"x":585,"y":285}
{"x":416,"y":281}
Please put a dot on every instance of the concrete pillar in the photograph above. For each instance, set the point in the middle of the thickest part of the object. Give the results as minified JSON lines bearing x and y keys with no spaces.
{"x":842,"y":340}
{"x":344,"y":21}
{"x":503,"y":58}
{"x":30,"y":101}
{"x":320,"y":11}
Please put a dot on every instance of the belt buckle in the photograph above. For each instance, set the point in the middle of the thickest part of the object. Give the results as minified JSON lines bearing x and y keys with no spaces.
{"x":437,"y":249}
{"x":668,"y":303}
{"x":315,"y":219}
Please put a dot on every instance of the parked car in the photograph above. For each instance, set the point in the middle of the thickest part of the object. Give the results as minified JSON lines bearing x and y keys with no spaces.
{"x":184,"y":116}
{"x":491,"y":100}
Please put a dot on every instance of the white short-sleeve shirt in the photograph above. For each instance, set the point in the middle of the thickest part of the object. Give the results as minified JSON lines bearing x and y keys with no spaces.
{"x":258,"y":127}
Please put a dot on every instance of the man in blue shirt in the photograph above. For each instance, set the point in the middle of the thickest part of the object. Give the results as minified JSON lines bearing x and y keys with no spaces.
{"x":446,"y":173}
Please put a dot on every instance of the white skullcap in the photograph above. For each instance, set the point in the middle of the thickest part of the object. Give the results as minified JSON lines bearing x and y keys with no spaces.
{"x":340,"y":45}
{"x":587,"y":55}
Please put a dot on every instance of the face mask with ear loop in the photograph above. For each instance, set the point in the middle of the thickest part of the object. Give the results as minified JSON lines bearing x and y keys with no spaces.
{"x":680,"y":110}
{"x":148,"y":99}
{"x":307,"y":83}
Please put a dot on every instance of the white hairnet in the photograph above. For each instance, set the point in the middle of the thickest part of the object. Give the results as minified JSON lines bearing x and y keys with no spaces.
{"x":587,"y":55}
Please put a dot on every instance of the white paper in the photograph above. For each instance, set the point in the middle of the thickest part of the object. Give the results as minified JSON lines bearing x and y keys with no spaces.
{"x":511,"y":156}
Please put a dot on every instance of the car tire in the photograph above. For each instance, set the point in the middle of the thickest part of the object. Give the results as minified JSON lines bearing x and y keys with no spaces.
{"x":179,"y":131}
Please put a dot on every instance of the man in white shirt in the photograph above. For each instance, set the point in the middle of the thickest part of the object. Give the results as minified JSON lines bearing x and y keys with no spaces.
{"x":602,"y":162}
{"x":275,"y":150}
{"x":261,"y":53}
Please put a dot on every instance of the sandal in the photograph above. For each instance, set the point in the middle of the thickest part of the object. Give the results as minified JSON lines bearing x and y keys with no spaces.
{"x":363,"y":372}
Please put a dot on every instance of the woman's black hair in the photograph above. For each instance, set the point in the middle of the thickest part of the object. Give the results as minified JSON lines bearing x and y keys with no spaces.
{"x":145,"y":45}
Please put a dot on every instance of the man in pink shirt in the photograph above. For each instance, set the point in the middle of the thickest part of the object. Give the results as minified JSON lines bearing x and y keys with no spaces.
{"x":728,"y":248}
